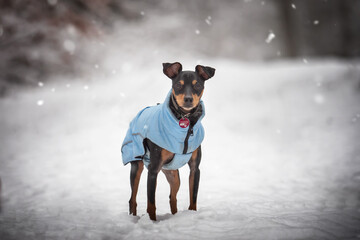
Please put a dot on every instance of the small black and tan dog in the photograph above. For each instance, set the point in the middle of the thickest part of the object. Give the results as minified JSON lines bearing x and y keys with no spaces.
{"x":175,"y":140}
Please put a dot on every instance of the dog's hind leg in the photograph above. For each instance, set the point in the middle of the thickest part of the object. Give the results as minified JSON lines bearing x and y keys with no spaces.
{"x":135,"y":173}
{"x":173,"y":178}
{"x":194,"y":177}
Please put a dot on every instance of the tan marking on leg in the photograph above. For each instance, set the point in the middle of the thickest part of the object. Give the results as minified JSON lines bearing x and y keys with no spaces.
{"x":151,"y":211}
{"x":192,"y":164}
{"x":173,"y":178}
{"x":132,"y":201}
{"x":165,"y":155}
{"x":194,"y":82}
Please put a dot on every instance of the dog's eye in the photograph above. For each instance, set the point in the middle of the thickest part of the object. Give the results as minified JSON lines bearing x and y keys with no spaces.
{"x":178,"y":86}
{"x":198,"y":86}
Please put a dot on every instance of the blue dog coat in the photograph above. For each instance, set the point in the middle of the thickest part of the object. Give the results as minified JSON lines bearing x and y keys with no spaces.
{"x":159,"y":124}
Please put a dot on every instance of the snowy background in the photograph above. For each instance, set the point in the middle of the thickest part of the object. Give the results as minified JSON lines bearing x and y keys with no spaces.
{"x":281,"y":156}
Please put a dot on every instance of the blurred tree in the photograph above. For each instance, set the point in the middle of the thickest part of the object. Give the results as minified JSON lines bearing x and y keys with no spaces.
{"x":38,"y":38}
{"x":350,"y":25}
{"x":321,"y":27}
{"x":32,"y":34}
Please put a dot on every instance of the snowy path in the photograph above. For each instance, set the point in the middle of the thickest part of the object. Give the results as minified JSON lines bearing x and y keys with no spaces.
{"x":281,"y":157}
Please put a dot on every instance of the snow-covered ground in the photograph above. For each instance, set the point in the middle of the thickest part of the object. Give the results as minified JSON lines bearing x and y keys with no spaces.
{"x":281,"y":156}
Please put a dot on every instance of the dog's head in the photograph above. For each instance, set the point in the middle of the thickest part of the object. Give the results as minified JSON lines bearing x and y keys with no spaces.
{"x":187,"y":86}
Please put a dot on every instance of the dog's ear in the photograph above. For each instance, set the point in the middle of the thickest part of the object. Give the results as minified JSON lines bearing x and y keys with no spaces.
{"x":172,"y":69}
{"x":205,"y":72}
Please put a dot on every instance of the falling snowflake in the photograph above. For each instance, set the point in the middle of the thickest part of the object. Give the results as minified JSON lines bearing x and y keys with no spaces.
{"x":316,"y":22}
{"x":71,"y":30}
{"x":142,"y":13}
{"x":319,"y":99}
{"x":318,"y":80}
{"x":69,"y":46}
{"x":208,"y":20}
{"x":197,"y":31}
{"x":270,"y":37}
{"x":53,"y":90}
{"x":40,"y":84}
{"x":96,"y":66}
{"x":40,"y":102}
{"x":305,"y":60}
{"x":86,"y":87}
{"x":68,"y":85}
{"x":52,"y":2}
{"x":293,"y":6}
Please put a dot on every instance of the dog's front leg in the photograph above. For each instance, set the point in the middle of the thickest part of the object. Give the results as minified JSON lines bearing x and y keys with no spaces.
{"x":153,"y":170}
{"x":158,"y":156}
{"x":194,"y":177}
{"x":151,"y":188}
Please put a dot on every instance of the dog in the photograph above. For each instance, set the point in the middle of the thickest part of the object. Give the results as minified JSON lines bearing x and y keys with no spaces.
{"x":167,"y":136}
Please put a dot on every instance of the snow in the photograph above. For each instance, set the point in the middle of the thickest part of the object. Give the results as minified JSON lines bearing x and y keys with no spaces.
{"x":69,"y":46}
{"x":208,"y":20}
{"x":40,"y":102}
{"x":276,"y":164}
{"x":319,"y":99}
{"x":270,"y":37}
{"x":52,"y":2}
{"x":126,"y":67}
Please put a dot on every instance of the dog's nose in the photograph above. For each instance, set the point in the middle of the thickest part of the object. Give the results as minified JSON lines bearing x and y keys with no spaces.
{"x":188,"y":99}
